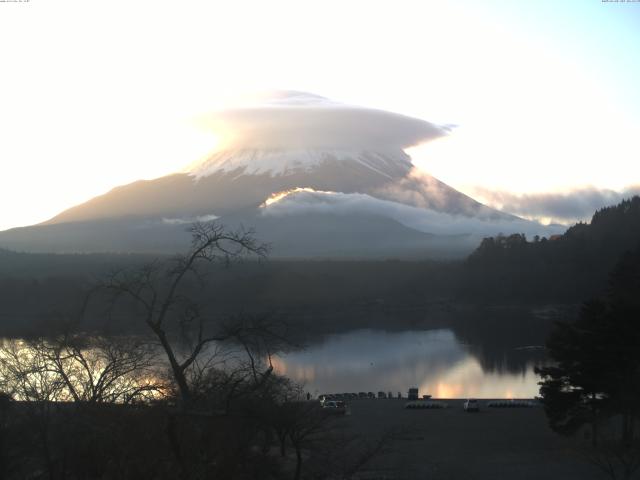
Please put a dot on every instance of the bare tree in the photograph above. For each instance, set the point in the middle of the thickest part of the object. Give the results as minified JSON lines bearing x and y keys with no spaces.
{"x":347,"y":456}
{"x":26,"y":376}
{"x":79,"y":368}
{"x":257,"y":339}
{"x":156,"y":289}
{"x":305,"y":424}
{"x":45,"y":374}
{"x":323,"y":445}
{"x":614,"y":456}
{"x":96,"y":369}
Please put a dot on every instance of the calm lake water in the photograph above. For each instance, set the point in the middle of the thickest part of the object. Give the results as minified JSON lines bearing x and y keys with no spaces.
{"x":435,"y":361}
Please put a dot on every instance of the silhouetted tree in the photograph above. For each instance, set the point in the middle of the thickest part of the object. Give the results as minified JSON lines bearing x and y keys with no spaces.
{"x":81,"y":368}
{"x":596,"y":376}
{"x":575,"y":388}
{"x":47,"y":375}
{"x":167,"y":309}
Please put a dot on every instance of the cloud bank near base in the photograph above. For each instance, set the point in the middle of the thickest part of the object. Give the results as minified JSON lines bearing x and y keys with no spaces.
{"x":303,"y":201}
{"x":189,"y":220}
{"x":289,"y":119}
{"x":576,"y":205}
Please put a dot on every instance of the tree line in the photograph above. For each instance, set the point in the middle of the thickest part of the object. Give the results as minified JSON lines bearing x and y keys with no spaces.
{"x":563,"y":268}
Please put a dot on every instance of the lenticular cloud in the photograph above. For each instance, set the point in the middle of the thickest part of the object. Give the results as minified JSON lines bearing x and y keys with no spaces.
{"x":300,"y":120}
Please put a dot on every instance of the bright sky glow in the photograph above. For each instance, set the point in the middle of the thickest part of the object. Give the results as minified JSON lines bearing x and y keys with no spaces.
{"x":97,"y":94}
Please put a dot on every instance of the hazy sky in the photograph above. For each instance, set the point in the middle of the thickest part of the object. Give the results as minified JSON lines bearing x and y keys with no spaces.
{"x":96,"y":94}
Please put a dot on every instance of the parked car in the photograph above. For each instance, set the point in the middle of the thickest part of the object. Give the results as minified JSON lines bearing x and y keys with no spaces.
{"x":471,"y":405}
{"x":362,"y":395}
{"x":335,"y":406}
{"x":382,"y":395}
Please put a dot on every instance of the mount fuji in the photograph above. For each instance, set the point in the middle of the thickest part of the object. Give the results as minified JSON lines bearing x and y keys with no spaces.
{"x":314,"y":179}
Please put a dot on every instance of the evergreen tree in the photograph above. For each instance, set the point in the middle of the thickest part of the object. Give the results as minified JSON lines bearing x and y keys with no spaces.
{"x":596,"y":375}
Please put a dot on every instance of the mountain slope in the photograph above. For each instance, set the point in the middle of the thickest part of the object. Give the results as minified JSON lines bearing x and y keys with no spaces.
{"x":229,"y":181}
{"x":314,"y":177}
{"x":372,"y":203}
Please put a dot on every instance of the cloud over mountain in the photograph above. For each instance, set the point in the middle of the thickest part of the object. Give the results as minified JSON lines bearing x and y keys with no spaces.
{"x":303,"y":201}
{"x":567,"y":207}
{"x":296,"y":120}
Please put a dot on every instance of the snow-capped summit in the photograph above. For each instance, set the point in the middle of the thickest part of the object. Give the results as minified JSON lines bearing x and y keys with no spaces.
{"x":283,"y":162}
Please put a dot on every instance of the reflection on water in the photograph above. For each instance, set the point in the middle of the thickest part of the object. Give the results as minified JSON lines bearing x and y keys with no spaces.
{"x":433,"y":360}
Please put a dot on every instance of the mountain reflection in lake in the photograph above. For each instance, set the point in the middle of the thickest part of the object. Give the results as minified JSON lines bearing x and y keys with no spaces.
{"x":433,"y":360}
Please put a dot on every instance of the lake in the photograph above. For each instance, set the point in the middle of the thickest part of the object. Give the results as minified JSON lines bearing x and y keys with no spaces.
{"x":435,"y":361}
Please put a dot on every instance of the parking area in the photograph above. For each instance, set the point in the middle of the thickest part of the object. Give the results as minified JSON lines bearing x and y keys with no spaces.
{"x":450,"y":443}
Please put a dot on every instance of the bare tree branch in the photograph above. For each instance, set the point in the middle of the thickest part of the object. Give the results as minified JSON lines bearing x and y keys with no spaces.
{"x":156,"y":289}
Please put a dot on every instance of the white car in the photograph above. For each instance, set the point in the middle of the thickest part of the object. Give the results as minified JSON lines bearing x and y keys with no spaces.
{"x":471,"y":405}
